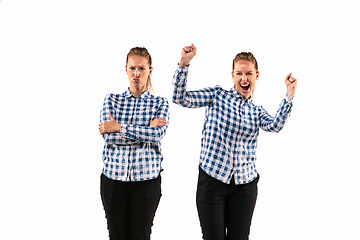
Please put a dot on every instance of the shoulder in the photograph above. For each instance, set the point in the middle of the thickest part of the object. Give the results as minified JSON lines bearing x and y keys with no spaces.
{"x":255,"y":106}
{"x":157,"y":99}
{"x":223,"y":93}
{"x":114,"y":98}
{"x":216,"y":89}
{"x":258,"y":109}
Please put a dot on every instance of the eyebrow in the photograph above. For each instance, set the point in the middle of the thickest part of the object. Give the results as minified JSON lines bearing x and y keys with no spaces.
{"x":139,"y":66}
{"x":241,"y":72}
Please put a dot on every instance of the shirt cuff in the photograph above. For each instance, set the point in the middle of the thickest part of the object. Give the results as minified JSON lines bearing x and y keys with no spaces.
{"x":183,"y":68}
{"x":289,"y":99}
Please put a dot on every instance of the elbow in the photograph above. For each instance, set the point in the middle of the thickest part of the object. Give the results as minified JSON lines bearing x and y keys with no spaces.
{"x":180,"y":98}
{"x":158,"y":138}
{"x":174,"y":100}
{"x":159,"y":135}
{"x":277,"y":128}
{"x":272,"y":129}
{"x":177,"y":100}
{"x":183,"y":102}
{"x":108,"y":139}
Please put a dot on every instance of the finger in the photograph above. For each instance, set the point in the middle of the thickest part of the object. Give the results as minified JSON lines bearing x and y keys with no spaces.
{"x":292,"y":79}
{"x":193,"y":48}
{"x":190,"y":48}
{"x":288,"y":76}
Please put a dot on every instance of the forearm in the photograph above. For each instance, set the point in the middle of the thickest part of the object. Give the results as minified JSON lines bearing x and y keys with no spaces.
{"x":152,"y":133}
{"x":277,"y":123}
{"x":179,"y":86}
{"x":116,"y":138}
{"x":142,"y":133}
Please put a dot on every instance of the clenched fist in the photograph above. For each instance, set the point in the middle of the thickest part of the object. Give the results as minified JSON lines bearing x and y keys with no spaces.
{"x":291,"y":84}
{"x":187,"y":53}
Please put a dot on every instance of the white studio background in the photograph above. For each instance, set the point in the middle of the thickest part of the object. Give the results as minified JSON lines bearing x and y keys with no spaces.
{"x":58,"y":60}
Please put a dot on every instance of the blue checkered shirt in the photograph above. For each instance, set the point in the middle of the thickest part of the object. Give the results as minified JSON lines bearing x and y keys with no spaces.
{"x":134,"y":154}
{"x":231,"y":128}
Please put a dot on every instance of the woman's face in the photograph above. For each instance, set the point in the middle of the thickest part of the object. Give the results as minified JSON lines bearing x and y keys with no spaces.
{"x":244,"y":76}
{"x":138,"y":70}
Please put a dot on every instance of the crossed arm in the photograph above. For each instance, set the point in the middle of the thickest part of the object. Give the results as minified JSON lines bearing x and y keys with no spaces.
{"x":112,"y":126}
{"x":129,"y":134}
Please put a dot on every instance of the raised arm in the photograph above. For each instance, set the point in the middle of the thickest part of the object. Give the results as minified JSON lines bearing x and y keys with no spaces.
{"x":275,"y":124}
{"x":190,"y":99}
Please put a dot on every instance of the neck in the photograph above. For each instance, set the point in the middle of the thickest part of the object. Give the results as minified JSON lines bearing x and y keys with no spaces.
{"x":137,"y":91}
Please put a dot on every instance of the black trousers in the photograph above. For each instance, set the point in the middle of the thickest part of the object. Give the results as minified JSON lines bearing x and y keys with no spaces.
{"x":225,"y":210}
{"x":130,"y":207}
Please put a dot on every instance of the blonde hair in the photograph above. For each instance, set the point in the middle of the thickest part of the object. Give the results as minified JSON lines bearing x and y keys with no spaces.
{"x":248,"y":56}
{"x":143,"y":52}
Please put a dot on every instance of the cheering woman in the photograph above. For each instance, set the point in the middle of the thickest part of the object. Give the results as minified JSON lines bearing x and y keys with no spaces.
{"x":227,"y":184}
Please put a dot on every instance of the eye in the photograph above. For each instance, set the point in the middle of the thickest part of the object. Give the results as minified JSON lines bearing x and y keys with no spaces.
{"x":238,"y":73}
{"x":249,"y":73}
{"x":142,"y":69}
{"x":131,"y":68}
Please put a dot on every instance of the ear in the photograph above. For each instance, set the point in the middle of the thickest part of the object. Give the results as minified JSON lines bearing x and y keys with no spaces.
{"x":232,"y":74}
{"x":125,"y":68}
{"x":150,"y":70}
{"x":257,"y":74}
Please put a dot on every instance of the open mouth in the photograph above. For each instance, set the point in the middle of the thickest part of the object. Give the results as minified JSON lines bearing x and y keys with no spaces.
{"x":245,"y":87}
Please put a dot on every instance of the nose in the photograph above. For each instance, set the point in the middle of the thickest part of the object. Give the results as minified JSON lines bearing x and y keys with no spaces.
{"x":136,"y":73}
{"x":243,"y":78}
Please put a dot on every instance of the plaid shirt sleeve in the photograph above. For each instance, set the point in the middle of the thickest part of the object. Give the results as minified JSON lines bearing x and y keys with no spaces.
{"x":275,"y":124}
{"x":147,"y":134}
{"x":113,"y":138}
{"x":190,"y":99}
{"x":134,"y":134}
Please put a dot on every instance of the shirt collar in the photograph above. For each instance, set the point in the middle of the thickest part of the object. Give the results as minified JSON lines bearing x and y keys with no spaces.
{"x":143,"y":96}
{"x":236,"y":94}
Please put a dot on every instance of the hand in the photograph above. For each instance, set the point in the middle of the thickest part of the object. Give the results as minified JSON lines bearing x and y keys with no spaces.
{"x":187,"y":53}
{"x":158,"y":122}
{"x":109,"y":126}
{"x":291,"y":84}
